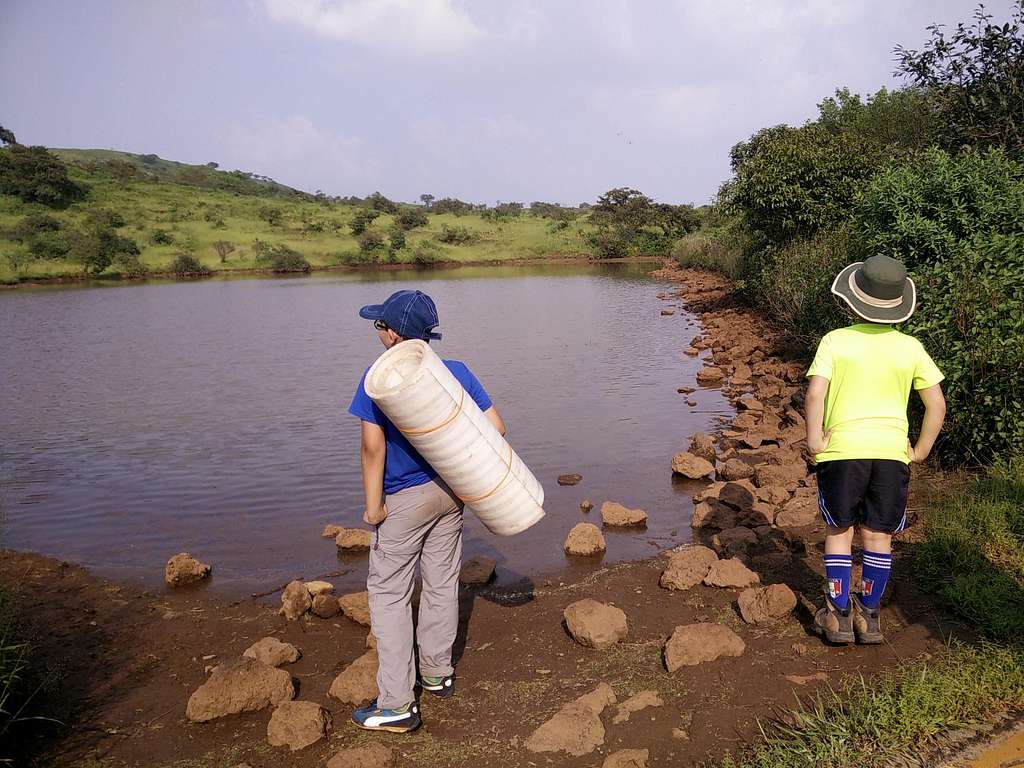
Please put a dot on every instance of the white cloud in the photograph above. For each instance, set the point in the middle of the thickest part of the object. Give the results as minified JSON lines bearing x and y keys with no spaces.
{"x":435,"y":27}
{"x":294,"y":151}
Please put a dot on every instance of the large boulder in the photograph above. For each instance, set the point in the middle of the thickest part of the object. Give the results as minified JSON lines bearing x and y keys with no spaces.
{"x":594,"y":624}
{"x":693,"y":644}
{"x":325,"y":606}
{"x":357,"y":683}
{"x":634,"y":704}
{"x":298,"y":724}
{"x":576,"y":728}
{"x":295,"y":600}
{"x":713,"y":514}
{"x":319,"y":588}
{"x":272,"y":652}
{"x":738,"y":495}
{"x":693,"y":467}
{"x":735,"y":469}
{"x":356,"y":606}
{"x":183,"y":570}
{"x":584,"y":539}
{"x":702,"y":445}
{"x":766,"y":605}
{"x":710,"y":375}
{"x":242,"y":685}
{"x":372,"y":755}
{"x":627,"y":758}
{"x":353,"y":540}
{"x":477,"y":570}
{"x":730,"y":574}
{"x":331,"y":531}
{"x":614,"y":514}
{"x":688,"y":567}
{"x":799,"y":511}
{"x":734,"y":541}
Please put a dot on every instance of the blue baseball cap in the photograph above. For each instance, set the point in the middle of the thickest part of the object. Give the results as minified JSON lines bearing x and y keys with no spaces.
{"x":410,"y":314}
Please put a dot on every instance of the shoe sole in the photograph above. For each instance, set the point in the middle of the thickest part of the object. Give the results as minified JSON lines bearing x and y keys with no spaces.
{"x":836,"y":638}
{"x":388,"y":728}
{"x":870,"y":639}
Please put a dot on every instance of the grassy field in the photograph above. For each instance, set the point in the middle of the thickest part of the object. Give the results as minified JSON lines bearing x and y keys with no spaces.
{"x":155,"y":207}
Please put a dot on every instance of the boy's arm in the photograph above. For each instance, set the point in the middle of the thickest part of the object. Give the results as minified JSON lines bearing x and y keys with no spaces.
{"x":495,"y":419}
{"x":817,"y":441}
{"x":934,"y":414}
{"x":372,"y":452}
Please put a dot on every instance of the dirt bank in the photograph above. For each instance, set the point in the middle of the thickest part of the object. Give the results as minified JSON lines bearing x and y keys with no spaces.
{"x":124,"y":661}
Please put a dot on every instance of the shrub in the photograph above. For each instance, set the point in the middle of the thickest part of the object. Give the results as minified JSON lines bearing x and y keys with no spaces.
{"x":187,"y":265}
{"x":285,"y":259}
{"x":455,"y":235}
{"x":452,"y":205}
{"x":271,"y":215}
{"x":371,"y":241}
{"x":262,"y":250}
{"x":361,"y":220}
{"x":426,"y":253}
{"x":224,"y":248}
{"x":378,"y":202}
{"x":98,"y":244}
{"x":718,"y":251}
{"x":411,"y":218}
{"x":36,"y":176}
{"x":42,"y":236}
{"x":129,"y":265}
{"x":161,"y":237}
{"x":396,"y":240}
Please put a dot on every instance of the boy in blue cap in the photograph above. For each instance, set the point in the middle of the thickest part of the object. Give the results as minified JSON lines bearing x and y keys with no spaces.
{"x":418,"y":520}
{"x":860,"y":383}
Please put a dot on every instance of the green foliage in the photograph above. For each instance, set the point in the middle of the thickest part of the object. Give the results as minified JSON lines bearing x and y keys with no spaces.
{"x":371,"y":241}
{"x":452,"y":205}
{"x":426,"y":200}
{"x":719,"y":247}
{"x":42,"y":236}
{"x":411,"y":218}
{"x":503,"y":211}
{"x":36,"y":176}
{"x":396,"y":239}
{"x":7,"y":136}
{"x":285,"y":259}
{"x":378,"y":202}
{"x":271,"y":215}
{"x":955,"y":222}
{"x":362,"y":219}
{"x":455,"y":235}
{"x":630,"y":223}
{"x":974,"y":80}
{"x":161,"y":237}
{"x":98,"y":244}
{"x":187,"y":265}
{"x":426,"y":253}
{"x":896,"y":123}
{"x":224,"y":248}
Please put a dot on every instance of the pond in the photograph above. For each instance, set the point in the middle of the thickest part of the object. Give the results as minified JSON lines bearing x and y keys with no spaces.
{"x":210,"y":417}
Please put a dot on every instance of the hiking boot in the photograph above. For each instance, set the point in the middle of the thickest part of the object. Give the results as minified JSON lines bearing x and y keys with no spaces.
{"x":866,"y":623}
{"x":439,"y":686}
{"x":401,"y":720}
{"x":835,"y":625}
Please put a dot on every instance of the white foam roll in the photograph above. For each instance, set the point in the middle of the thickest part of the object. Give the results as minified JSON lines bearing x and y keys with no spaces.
{"x":421,"y":397}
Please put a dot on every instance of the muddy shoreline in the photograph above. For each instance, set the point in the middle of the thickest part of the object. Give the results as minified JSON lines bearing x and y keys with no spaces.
{"x":123,"y":661}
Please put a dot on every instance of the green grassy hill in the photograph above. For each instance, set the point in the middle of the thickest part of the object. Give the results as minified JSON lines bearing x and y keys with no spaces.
{"x":171,"y":208}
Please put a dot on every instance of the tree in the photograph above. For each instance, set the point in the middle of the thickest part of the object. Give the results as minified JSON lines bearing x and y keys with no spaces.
{"x":974,"y":80}
{"x":212,"y":166}
{"x":224,"y":249}
{"x":98,"y":244}
{"x":427,"y":200}
{"x":378,"y":202}
{"x":410,"y":218}
{"x":7,"y":136}
{"x":36,"y":176}
{"x":270,"y":215}
{"x":362,"y":220}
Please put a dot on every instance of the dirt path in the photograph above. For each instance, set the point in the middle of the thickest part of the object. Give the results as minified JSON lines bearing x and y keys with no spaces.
{"x":125,"y":661}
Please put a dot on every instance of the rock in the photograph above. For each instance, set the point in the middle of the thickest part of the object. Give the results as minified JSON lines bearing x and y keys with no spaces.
{"x":357,"y":683}
{"x":681,"y":733}
{"x":799,"y":511}
{"x":297,"y":724}
{"x":584,"y":539}
{"x":742,"y":374}
{"x":710,"y":375}
{"x":331,"y":531}
{"x":613,"y":513}
{"x":356,"y":606}
{"x":693,"y":644}
{"x":730,"y":573}
{"x":737,"y":495}
{"x":325,"y":606}
{"x":635,"y":703}
{"x":477,"y":570}
{"x":243,"y":685}
{"x":691,"y":466}
{"x":595,"y":625}
{"x":319,"y":588}
{"x":692,"y":403}
{"x":713,"y":514}
{"x":353,"y":540}
{"x":576,"y":728}
{"x":373,"y":755}
{"x":569,"y":479}
{"x":686,"y":390}
{"x":586,"y":505}
{"x":371,"y":641}
{"x":272,"y":652}
{"x":759,"y":514}
{"x":734,"y":541}
{"x":668,"y":311}
{"x":295,"y":600}
{"x":627,"y":758}
{"x":688,"y":567}
{"x":735,"y":469}
{"x":766,"y":605}
{"x":750,"y":403}
{"x":746,"y":422}
{"x":183,"y":569}
{"x":773,"y":494}
{"x":708,"y":492}
{"x":702,"y":445}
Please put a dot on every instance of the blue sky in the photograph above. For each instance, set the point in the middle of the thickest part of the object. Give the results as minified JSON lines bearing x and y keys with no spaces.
{"x":526,"y":100}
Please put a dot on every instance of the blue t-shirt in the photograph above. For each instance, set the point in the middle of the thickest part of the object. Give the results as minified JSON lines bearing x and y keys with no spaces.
{"x":403,"y":466}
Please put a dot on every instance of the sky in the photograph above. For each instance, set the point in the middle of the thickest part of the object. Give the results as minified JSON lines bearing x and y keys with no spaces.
{"x":553,"y":100}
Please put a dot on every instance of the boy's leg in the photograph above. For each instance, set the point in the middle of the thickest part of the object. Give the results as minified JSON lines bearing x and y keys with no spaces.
{"x":439,"y":600}
{"x":392,"y":573}
{"x":885,"y":513}
{"x":838,"y":561}
{"x":877,"y":564}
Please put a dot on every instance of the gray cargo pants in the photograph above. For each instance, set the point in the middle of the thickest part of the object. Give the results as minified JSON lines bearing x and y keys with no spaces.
{"x":424,"y":525}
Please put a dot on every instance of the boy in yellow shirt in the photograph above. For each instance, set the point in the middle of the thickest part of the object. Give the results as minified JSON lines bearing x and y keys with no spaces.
{"x":857,"y":428}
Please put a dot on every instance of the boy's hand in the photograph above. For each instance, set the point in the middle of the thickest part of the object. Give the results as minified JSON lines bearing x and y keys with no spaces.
{"x":377,"y":517}
{"x":915,"y":457}
{"x":820,"y":443}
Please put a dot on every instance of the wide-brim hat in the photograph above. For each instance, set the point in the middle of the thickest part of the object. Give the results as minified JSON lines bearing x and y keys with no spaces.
{"x":878,"y":290}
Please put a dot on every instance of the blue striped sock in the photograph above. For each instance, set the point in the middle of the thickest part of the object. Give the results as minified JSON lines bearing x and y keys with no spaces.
{"x":874,"y":579}
{"x":837,"y":575}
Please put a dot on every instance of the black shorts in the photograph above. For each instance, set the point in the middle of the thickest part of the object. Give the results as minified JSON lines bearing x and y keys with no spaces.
{"x":867,"y":492}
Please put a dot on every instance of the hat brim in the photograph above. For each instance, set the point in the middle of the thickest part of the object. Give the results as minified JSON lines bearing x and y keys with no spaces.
{"x":896,"y":314}
{"x":372,"y":312}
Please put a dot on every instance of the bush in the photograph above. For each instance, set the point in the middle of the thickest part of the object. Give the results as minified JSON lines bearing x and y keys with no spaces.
{"x":129,"y":265}
{"x":455,"y":235}
{"x":378,"y":202}
{"x":187,"y":265}
{"x":716,"y":250}
{"x":36,"y":176}
{"x":271,"y":215}
{"x":286,"y":259}
{"x":451,"y":205}
{"x":371,"y":241}
{"x":426,"y":253}
{"x":99,"y":244}
{"x":161,"y":237}
{"x":361,"y":220}
{"x":411,"y":218}
{"x":42,"y":236}
{"x":397,"y":240}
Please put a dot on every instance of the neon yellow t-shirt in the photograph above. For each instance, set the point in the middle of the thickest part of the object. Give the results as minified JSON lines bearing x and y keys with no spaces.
{"x":870,"y":369}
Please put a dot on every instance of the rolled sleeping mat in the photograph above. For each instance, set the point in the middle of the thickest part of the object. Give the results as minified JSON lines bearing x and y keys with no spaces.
{"x":425,"y":401}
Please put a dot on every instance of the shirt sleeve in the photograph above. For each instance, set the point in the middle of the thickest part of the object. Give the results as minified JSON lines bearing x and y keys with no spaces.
{"x":476,"y":390}
{"x":926,"y":372}
{"x":822,"y":363}
{"x":362,"y":406}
